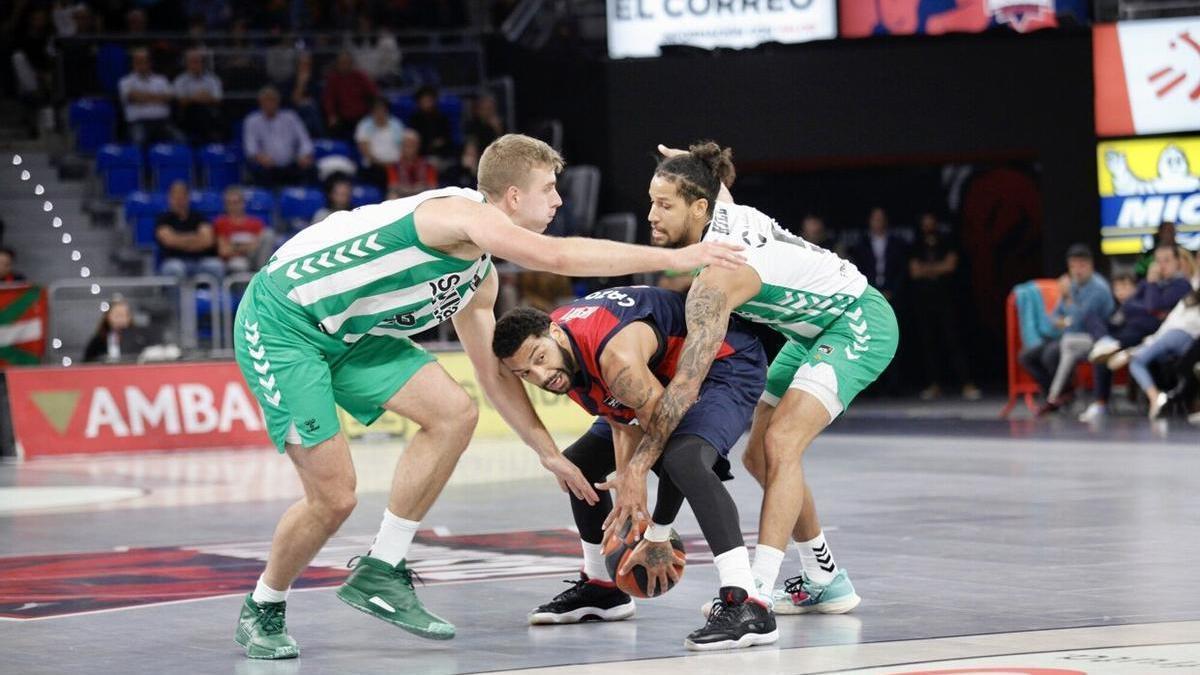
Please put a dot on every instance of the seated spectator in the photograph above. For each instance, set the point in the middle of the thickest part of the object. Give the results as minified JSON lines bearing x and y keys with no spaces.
{"x":379,"y":136}
{"x":7,"y":274}
{"x":1085,"y":298}
{"x":414,"y":173}
{"x":465,"y":174}
{"x":146,"y":97}
{"x":933,"y":268}
{"x":1164,"y":235}
{"x":432,"y":124}
{"x":278,"y":148}
{"x":33,"y":65}
{"x":116,"y":338}
{"x":303,"y":94}
{"x":1187,"y":384}
{"x":198,"y":94}
{"x":347,"y":96}
{"x":1172,"y":340}
{"x":185,"y":239}
{"x":243,"y":240}
{"x":485,"y":124}
{"x":338,"y":196}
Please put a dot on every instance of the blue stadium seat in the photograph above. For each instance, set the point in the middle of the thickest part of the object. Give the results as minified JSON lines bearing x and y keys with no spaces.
{"x":120,"y":167}
{"x":324,"y":147}
{"x":92,"y":119}
{"x":141,"y":213}
{"x":404,"y":106}
{"x":170,"y":162}
{"x":262,"y":204}
{"x":207,"y":203}
{"x":221,"y":165}
{"x":112,"y":63}
{"x":365,"y":194}
{"x":298,"y":204}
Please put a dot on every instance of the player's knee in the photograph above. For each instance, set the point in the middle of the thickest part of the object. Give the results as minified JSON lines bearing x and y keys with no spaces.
{"x":336,"y":505}
{"x":782,"y":448}
{"x":753,"y":461}
{"x":457,"y":417}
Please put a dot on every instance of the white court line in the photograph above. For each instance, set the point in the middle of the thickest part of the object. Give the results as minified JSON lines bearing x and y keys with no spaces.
{"x":900,"y":653}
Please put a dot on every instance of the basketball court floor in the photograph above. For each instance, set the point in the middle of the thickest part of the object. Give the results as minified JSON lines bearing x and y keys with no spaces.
{"x":977,"y":545}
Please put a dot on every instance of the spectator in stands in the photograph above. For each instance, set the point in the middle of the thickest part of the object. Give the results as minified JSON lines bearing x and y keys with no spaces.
{"x":116,"y":338}
{"x":1164,"y":235}
{"x":198,"y":94}
{"x":432,"y":124}
{"x":465,"y":173}
{"x":347,"y":96}
{"x":485,"y":124}
{"x":242,"y":239}
{"x":303,"y":94}
{"x":146,"y":97}
{"x":379,"y":136}
{"x":338,"y":197}
{"x":813,"y":230}
{"x":7,"y":274}
{"x":32,"y":63}
{"x":933,"y":268}
{"x":278,"y":148}
{"x":185,"y":238}
{"x":1172,"y":340}
{"x":414,"y":173}
{"x":883,"y":257}
{"x":1085,"y":299}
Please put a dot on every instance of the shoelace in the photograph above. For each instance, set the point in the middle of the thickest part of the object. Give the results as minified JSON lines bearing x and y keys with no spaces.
{"x":721,"y":615}
{"x":271,"y":617}
{"x":794,"y":585}
{"x":576,"y":585}
{"x":405,"y":575}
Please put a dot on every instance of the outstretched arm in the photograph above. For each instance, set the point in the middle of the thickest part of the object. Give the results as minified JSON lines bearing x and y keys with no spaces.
{"x":475,"y":325}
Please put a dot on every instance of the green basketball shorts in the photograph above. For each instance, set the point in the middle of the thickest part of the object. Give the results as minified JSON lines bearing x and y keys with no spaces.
{"x":299,"y":374}
{"x":844,"y":359}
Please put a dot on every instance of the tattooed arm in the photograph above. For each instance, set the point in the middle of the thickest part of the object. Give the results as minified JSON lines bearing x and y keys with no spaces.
{"x":714,"y":295}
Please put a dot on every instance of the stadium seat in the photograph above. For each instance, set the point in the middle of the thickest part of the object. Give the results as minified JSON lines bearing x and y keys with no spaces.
{"x":261,"y":203}
{"x":169,"y":162}
{"x":221,"y":165}
{"x":207,"y":203}
{"x":120,"y":167}
{"x":92,"y":120}
{"x":365,"y":194}
{"x":298,"y":204}
{"x":112,"y":63}
{"x":141,"y":213}
{"x":324,"y":147}
{"x":404,"y":105}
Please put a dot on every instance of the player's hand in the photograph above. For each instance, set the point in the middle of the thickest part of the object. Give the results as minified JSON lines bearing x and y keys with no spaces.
{"x":630,"y":505}
{"x":658,"y":559}
{"x":670,"y":152}
{"x":708,"y":253}
{"x":570,"y":478}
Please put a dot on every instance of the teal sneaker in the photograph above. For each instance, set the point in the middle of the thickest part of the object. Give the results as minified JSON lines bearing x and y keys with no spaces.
{"x":386,"y":592}
{"x":262,"y":631}
{"x":801,"y":596}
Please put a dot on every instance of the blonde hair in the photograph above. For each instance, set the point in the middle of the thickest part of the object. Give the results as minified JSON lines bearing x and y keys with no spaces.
{"x":510,"y":158}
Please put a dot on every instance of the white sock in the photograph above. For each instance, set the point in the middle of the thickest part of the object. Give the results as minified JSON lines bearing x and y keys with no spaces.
{"x":733,"y":569}
{"x":593,"y":562}
{"x":264,"y":593}
{"x":394,"y":538}
{"x":767,"y":560}
{"x":817,"y":560}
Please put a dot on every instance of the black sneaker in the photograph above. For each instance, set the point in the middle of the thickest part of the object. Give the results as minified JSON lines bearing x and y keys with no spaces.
{"x":735,"y":621}
{"x":586,"y":600}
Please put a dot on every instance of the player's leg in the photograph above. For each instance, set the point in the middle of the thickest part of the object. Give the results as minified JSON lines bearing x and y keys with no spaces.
{"x":594,"y":595}
{"x":381,"y":583}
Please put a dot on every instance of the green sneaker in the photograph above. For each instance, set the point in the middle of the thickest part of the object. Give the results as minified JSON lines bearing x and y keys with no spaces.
{"x":381,"y":590}
{"x":262,"y":630}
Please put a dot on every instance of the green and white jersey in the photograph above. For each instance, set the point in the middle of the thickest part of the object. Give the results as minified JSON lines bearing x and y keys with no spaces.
{"x":805,"y":288}
{"x":365,"y":271}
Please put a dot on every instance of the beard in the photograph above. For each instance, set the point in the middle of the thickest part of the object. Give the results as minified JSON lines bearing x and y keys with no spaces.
{"x":570,"y":367}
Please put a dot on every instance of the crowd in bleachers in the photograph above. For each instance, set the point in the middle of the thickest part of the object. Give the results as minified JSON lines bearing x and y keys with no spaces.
{"x":1147,"y":321}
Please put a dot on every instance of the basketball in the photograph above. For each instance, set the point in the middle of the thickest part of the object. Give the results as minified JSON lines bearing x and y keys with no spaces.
{"x":635,"y":583}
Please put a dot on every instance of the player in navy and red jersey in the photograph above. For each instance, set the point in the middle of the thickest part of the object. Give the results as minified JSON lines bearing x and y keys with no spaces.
{"x":612,"y":353}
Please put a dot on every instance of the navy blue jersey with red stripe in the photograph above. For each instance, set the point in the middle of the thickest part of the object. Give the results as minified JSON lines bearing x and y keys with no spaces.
{"x":592,"y":321}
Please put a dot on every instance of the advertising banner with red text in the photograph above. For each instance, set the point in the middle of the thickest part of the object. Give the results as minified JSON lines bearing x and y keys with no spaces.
{"x":1147,"y":76}
{"x":94,"y":409}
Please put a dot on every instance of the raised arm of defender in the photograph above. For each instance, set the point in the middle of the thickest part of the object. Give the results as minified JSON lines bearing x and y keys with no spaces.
{"x":457,"y":222}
